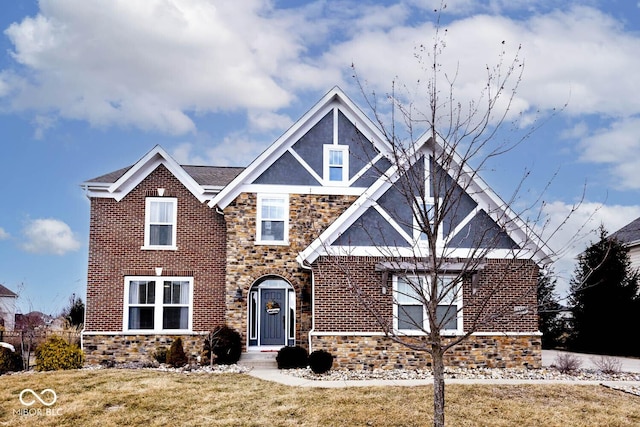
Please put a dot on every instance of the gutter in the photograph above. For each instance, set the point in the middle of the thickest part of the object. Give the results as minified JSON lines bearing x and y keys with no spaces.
{"x":303,"y":264}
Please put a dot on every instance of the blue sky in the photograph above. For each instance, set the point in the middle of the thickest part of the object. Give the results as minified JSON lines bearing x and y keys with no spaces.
{"x":87,"y":87}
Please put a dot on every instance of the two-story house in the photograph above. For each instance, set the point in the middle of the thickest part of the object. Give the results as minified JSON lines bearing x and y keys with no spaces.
{"x":176,"y":250}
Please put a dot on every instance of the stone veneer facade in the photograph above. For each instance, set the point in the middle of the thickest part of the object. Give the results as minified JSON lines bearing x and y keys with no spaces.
{"x":247,"y":262}
{"x":377,"y":351}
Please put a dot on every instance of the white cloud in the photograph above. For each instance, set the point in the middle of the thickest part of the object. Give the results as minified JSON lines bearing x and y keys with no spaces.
{"x":618,"y":146}
{"x":3,"y":234}
{"x":236,"y":149}
{"x":49,"y":236}
{"x":148,"y":64}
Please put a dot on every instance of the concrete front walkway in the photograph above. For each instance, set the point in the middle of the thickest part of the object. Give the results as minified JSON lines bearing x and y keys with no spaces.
{"x":548,"y":357}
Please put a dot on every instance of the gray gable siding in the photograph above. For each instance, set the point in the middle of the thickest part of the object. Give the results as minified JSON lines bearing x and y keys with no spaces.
{"x":370,"y":176}
{"x":361,"y":150}
{"x":286,"y":171}
{"x":482,"y":232}
{"x":396,"y":205}
{"x":309,"y":147}
{"x":371,"y":229}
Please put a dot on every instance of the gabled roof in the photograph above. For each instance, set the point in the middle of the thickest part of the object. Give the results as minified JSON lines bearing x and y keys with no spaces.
{"x":201,"y":181}
{"x":478,"y":190}
{"x":629,"y":234}
{"x":334,"y":98}
{"x":5,"y":292}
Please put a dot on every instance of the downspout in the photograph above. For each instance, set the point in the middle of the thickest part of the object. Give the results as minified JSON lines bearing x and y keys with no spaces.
{"x":303,"y":264}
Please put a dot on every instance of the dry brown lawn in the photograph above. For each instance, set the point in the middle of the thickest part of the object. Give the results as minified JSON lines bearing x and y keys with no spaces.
{"x":135,"y":397}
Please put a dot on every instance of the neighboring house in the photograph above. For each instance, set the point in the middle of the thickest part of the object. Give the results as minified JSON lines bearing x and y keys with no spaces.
{"x":630,"y":236}
{"x":176,"y":250}
{"x":7,"y":308}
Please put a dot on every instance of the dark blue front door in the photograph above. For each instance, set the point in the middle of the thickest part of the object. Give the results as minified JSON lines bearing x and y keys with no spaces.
{"x":272,"y":316}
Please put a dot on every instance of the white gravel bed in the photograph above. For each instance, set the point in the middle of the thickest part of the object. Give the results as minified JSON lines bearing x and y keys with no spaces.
{"x":463,"y":373}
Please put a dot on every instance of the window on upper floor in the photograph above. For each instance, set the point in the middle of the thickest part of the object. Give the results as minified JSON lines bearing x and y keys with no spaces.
{"x":410,"y":313}
{"x":158,"y":303}
{"x":336,"y":164}
{"x":160,"y":223}
{"x":273,"y":219}
{"x":425,"y":210}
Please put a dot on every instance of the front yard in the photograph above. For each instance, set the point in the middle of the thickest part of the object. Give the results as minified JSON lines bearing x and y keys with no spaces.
{"x":144,"y":397}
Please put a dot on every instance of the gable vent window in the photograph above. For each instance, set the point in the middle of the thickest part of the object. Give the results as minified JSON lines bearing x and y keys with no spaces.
{"x":336,"y":164}
{"x":160,"y":223}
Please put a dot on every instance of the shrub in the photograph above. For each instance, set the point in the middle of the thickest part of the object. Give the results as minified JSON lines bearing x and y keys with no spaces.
{"x":292,"y":357}
{"x":175,"y":355}
{"x":10,"y":361}
{"x":320,"y":361}
{"x":56,"y":353}
{"x":226,"y":345}
{"x":160,"y":354}
{"x":566,"y":363}
{"x":607,"y":364}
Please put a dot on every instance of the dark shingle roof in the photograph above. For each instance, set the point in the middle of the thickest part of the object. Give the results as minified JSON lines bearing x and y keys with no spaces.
{"x":629,"y":233}
{"x":213,"y":175}
{"x":218,"y":176}
{"x":4,"y":292}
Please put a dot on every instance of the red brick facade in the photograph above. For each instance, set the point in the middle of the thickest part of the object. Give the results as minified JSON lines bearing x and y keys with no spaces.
{"x":504,"y":301}
{"x":115,"y":240}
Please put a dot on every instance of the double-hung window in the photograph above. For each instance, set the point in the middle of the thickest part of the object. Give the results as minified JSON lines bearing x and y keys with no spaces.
{"x":336,"y":164}
{"x":160,"y":223}
{"x":411,"y":293}
{"x":158,"y":303}
{"x":273,"y":219}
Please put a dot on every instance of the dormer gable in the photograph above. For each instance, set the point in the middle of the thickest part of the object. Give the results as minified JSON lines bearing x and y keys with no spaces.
{"x":119,"y":183}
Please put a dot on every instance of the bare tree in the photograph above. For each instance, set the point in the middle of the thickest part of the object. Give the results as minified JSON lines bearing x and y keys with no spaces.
{"x":438,"y":147}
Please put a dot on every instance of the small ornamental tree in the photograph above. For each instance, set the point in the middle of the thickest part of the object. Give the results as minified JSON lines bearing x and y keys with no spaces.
{"x":437,"y":142}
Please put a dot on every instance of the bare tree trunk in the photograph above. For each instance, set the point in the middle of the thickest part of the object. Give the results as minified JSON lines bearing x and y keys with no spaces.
{"x":437,"y":357}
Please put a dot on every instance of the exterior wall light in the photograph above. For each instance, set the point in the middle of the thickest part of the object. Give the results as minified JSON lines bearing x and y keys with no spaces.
{"x":238,"y":297}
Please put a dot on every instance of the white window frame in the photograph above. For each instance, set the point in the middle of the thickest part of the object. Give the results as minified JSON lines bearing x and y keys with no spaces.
{"x":158,"y":305}
{"x":455,"y":300}
{"x":327,"y":149}
{"x":285,"y":200}
{"x":421,"y":238}
{"x":147,"y":223}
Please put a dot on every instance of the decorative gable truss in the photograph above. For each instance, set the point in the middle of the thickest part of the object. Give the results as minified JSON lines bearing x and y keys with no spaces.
{"x":380,"y":222}
{"x":333,"y":149}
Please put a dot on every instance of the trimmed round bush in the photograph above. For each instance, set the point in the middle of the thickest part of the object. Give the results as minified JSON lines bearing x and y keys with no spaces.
{"x":225,"y":344}
{"x":56,"y":354}
{"x":292,"y":357}
{"x":10,"y":361}
{"x":320,"y":361}
{"x":175,"y":355}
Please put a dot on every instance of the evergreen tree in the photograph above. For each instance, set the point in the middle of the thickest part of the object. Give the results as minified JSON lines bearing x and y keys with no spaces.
{"x":74,"y":312}
{"x":604,"y":299}
{"x":549,"y":321}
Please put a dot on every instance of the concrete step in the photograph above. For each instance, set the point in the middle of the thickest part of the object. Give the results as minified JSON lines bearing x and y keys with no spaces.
{"x":259,"y":360}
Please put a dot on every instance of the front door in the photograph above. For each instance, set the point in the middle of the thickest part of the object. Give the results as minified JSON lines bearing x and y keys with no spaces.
{"x":272,"y":316}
